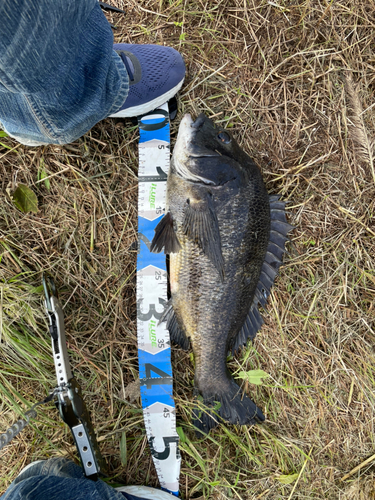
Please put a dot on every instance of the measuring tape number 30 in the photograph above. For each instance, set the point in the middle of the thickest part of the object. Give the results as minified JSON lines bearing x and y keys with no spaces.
{"x":154,"y":350}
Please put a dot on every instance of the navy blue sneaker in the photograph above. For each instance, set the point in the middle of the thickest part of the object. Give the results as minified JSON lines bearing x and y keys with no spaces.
{"x":156,"y":74}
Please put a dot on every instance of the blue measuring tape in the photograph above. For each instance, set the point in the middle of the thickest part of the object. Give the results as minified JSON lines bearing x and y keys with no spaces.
{"x":154,"y":349}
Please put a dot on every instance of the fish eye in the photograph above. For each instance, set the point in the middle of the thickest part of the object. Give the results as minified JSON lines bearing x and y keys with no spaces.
{"x":224,"y":137}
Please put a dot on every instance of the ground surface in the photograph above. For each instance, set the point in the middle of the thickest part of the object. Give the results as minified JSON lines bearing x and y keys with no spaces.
{"x":295,"y":83}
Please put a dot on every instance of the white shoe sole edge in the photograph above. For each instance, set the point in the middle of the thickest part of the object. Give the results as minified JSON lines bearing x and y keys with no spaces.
{"x":146,"y":492}
{"x":30,"y":465}
{"x":148,"y":106}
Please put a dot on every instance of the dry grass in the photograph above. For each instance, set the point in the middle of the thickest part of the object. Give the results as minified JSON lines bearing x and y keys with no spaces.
{"x":277,"y":73}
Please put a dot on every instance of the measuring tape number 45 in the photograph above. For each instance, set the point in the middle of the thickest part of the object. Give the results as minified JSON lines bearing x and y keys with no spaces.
{"x":154,"y":350}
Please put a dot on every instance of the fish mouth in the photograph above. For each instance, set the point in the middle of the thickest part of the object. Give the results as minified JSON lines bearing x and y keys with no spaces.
{"x":199,"y":121}
{"x":187,"y":120}
{"x":188,"y":126}
{"x":186,"y":149}
{"x":186,"y":143}
{"x":185,"y":133}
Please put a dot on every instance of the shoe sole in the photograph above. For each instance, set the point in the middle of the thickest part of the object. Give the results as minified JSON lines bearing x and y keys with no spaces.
{"x":145,"y":492}
{"x":147,"y":106}
{"x":30,"y":465}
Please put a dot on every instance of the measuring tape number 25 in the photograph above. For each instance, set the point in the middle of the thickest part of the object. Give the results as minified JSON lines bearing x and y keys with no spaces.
{"x":154,"y":350}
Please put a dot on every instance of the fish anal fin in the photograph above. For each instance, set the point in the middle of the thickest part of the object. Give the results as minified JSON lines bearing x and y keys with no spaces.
{"x":201,"y":226}
{"x":165,"y":236}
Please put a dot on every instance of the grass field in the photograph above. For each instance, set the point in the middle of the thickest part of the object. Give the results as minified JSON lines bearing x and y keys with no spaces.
{"x":294,"y":81}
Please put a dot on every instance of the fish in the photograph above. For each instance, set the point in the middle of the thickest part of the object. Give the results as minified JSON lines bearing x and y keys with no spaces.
{"x":225,"y":237}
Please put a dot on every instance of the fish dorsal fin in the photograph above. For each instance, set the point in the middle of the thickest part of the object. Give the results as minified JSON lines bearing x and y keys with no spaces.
{"x":177,"y":335}
{"x":165,"y":236}
{"x":272,"y":262}
{"x":201,"y":226}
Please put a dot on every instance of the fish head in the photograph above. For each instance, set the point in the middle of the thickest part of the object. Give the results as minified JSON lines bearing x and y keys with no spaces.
{"x":208,"y":154}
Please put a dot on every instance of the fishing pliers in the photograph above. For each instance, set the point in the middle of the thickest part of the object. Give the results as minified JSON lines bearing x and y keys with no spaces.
{"x":70,"y":403}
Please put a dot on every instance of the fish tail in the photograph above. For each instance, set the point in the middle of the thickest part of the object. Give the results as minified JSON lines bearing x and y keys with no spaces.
{"x":229,"y":404}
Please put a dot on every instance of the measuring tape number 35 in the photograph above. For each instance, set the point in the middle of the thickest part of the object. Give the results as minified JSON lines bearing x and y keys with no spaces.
{"x":154,"y":350}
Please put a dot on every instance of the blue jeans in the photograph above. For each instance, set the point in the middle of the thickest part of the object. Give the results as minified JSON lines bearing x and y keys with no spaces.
{"x":59,"y":74}
{"x":60,"y":479}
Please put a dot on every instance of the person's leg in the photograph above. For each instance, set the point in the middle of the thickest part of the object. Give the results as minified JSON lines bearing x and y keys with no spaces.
{"x":58,"y":479}
{"x":61,"y":479}
{"x":59,"y":74}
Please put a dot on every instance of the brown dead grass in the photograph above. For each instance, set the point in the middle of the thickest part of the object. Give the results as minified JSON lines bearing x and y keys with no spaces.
{"x":277,"y":74}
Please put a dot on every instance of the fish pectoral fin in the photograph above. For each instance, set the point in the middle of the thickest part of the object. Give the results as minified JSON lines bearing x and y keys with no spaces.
{"x":176,"y":333}
{"x":201,"y":225}
{"x":165,"y":236}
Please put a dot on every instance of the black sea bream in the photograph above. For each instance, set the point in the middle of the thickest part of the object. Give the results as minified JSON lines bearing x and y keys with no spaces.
{"x":225,"y":236}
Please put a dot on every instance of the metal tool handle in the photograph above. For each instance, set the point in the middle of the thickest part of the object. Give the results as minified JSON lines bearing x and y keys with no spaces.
{"x":70,"y":402}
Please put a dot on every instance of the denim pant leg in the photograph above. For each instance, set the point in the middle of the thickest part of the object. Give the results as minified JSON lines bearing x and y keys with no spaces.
{"x":59,"y":74}
{"x":59,"y":479}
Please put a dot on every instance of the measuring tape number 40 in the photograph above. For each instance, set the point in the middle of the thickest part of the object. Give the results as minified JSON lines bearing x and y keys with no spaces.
{"x":154,"y":350}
